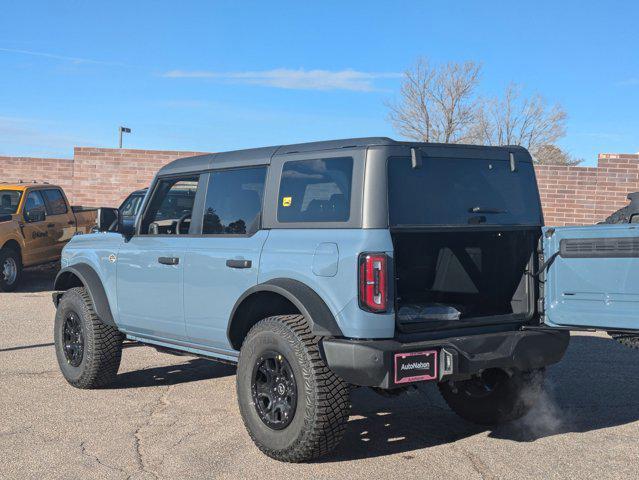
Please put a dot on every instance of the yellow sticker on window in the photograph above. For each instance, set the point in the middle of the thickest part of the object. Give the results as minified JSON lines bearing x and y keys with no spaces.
{"x":286,"y":201}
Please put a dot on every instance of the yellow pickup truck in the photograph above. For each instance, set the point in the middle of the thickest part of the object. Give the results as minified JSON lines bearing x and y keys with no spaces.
{"x":36,"y":221}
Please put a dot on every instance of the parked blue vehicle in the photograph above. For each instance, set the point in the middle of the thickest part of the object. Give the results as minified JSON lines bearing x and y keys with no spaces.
{"x":352,"y":263}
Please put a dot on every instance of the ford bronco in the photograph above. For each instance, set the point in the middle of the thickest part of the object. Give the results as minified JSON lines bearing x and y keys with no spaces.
{"x":36,"y":221}
{"x":322,"y":267}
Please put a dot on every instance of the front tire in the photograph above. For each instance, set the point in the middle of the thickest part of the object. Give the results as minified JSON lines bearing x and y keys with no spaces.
{"x":88,"y":351}
{"x":305,"y":416}
{"x":494,"y":397}
{"x":10,"y":269}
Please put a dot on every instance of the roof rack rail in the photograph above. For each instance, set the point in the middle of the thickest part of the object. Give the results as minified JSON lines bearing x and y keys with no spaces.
{"x":34,"y":182}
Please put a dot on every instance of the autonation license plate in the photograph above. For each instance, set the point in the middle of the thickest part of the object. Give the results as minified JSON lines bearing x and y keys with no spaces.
{"x":415,"y":366}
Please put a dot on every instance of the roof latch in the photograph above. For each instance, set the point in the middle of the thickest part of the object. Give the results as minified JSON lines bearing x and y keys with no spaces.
{"x":415,"y":158}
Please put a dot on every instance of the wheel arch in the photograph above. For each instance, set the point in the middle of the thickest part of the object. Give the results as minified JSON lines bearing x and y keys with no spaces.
{"x":13,"y":244}
{"x":83,"y":275}
{"x":280,"y":296}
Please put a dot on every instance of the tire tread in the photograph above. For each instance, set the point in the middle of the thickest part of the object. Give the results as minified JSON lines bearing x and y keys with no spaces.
{"x":327,"y":425}
{"x":103,"y":346}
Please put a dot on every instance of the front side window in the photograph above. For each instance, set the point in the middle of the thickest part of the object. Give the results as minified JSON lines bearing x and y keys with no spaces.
{"x":316,"y":190}
{"x":34,"y":207}
{"x":55,"y":202}
{"x":9,"y":201}
{"x":131,"y":206}
{"x":234,"y":201}
{"x":171,"y":206}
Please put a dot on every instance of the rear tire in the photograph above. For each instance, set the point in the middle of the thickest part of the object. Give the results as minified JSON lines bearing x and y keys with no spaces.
{"x":494,"y":397}
{"x":88,"y":351}
{"x":10,"y":269}
{"x":626,"y":339}
{"x":313,"y":421}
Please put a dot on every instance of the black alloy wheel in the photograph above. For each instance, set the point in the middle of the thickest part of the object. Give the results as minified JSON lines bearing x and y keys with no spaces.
{"x":274,"y":390}
{"x":73,"y":338}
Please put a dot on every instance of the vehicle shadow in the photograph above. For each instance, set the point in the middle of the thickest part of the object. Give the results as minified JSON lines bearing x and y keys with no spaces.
{"x":38,"y":279}
{"x":590,"y":389}
{"x":192,"y":370}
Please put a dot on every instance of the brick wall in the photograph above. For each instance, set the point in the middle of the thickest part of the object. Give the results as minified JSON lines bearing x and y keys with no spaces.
{"x":105,"y":176}
{"x":52,"y":170}
{"x":587,"y":195}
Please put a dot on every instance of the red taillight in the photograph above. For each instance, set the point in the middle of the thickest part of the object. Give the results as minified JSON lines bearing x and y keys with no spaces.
{"x":373,"y":291}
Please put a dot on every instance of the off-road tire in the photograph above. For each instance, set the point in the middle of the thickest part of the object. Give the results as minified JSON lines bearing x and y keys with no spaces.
{"x":623,"y":216}
{"x":626,"y":339}
{"x":620,"y":216}
{"x":102,"y":343}
{"x":510,"y":399}
{"x":5,"y":253}
{"x":323,"y":403}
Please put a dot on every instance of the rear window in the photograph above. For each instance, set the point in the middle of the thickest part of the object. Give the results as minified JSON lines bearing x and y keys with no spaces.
{"x":316,"y":190}
{"x":459,"y":191}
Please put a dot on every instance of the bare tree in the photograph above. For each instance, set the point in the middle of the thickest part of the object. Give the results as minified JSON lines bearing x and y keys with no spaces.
{"x":517,"y":120}
{"x":553,"y":155}
{"x":437,"y":103}
{"x":440,"y":104}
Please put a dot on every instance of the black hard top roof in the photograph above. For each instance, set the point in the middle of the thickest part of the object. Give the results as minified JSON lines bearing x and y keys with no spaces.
{"x":263,"y":155}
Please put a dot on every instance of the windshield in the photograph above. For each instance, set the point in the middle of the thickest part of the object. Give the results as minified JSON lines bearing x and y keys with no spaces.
{"x":462,"y":191}
{"x":131,"y":206}
{"x":9,"y":201}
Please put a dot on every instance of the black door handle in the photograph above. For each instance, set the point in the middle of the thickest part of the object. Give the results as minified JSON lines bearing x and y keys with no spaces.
{"x":51,"y":225}
{"x":233,"y":263}
{"x":169,"y":260}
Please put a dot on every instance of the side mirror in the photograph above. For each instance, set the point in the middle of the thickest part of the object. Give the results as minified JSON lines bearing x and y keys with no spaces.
{"x":107,"y":219}
{"x":35,"y":215}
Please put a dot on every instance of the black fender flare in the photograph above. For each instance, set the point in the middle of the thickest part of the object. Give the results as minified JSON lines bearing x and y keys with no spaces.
{"x":91,"y":282}
{"x":305,"y":299}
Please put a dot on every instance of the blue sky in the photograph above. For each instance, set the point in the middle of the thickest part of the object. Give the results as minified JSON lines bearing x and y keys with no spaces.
{"x":220,"y":75}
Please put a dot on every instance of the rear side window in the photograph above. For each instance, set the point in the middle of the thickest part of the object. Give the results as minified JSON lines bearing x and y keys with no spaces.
{"x":234,"y":201}
{"x":462,"y":191}
{"x":316,"y":190}
{"x":55,"y":202}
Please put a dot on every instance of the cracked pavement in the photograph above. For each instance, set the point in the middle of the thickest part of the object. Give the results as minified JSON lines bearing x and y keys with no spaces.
{"x":176,"y":417}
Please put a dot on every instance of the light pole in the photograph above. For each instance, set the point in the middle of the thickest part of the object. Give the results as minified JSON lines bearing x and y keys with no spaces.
{"x":122,"y":130}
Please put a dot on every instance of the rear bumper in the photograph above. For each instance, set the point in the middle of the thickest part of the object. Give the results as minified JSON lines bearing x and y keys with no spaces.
{"x":371,"y":362}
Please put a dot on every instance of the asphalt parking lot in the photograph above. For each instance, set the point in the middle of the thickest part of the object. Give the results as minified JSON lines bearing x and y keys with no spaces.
{"x":176,"y":417}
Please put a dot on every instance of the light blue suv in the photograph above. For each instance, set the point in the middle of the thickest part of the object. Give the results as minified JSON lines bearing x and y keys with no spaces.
{"x":325,"y":266}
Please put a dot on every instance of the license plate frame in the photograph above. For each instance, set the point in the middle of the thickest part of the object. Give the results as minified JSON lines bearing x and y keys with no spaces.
{"x":415,"y":372}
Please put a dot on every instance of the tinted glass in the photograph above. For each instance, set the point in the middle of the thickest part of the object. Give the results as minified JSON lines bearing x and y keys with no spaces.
{"x":171,"y":206}
{"x":453,"y":191}
{"x":9,"y":200}
{"x":234,"y":201}
{"x":316,"y":190}
{"x":55,"y":200}
{"x":131,"y":206}
{"x":34,"y":202}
